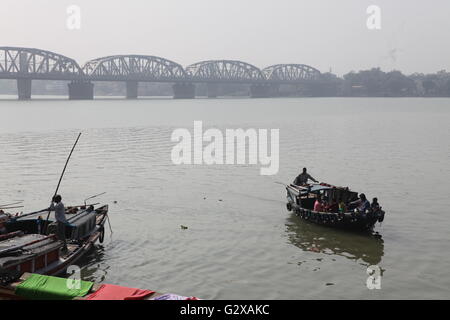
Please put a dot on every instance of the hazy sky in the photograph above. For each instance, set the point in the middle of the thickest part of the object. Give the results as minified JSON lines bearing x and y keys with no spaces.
{"x":326,"y":34}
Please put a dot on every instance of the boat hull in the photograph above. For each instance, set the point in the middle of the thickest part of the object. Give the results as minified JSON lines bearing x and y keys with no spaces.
{"x":51,"y":262}
{"x":347,"y":221}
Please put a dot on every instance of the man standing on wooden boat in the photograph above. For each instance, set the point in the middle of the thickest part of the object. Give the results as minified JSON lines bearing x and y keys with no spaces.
{"x":303,"y":178}
{"x":60,"y":215}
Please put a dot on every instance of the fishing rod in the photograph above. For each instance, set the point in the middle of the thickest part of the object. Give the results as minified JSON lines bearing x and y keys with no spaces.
{"x":92,"y":197}
{"x":60,"y":178}
{"x":1,"y":208}
{"x":11,"y":204}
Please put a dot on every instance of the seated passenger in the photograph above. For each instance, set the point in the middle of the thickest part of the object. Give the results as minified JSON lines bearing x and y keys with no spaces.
{"x":342,"y":206}
{"x":362,"y":204}
{"x":375,"y":206}
{"x":318,"y":206}
{"x":332,"y":207}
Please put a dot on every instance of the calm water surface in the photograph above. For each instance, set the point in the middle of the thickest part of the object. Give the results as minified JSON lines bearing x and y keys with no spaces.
{"x":241,"y":243}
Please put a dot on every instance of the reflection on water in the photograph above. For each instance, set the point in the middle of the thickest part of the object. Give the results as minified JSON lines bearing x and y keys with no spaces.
{"x":310,"y":237}
{"x":92,"y":264}
{"x":237,"y":248}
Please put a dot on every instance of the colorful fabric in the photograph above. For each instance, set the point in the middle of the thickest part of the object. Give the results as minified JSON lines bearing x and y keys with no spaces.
{"x":39,"y":287}
{"x":113,"y":292}
{"x":171,"y":296}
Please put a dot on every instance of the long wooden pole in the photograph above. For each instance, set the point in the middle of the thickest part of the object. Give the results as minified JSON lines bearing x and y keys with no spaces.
{"x":29,"y":214}
{"x":60,"y":178}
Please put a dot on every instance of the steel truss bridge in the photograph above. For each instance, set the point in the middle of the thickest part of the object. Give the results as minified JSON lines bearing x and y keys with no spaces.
{"x":27,"y":64}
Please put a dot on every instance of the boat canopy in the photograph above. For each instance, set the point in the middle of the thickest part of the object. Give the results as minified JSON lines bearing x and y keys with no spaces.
{"x":318,"y":187}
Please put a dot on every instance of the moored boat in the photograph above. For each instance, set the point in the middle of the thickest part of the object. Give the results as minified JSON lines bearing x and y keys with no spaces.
{"x":301,"y":199}
{"x":25,"y":249}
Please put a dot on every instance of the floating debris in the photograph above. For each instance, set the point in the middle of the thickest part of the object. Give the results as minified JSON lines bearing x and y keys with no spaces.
{"x":184,"y":227}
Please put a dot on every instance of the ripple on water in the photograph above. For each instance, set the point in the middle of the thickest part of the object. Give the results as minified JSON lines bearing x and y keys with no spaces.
{"x":240,"y":242}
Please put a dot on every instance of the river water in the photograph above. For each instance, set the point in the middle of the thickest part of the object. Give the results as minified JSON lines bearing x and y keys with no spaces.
{"x":241,"y":243}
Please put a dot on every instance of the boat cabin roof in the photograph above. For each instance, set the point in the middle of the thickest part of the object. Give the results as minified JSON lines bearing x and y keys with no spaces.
{"x":318,"y":187}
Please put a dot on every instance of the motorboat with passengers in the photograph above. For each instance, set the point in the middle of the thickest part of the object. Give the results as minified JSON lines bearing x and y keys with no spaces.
{"x":339,"y":206}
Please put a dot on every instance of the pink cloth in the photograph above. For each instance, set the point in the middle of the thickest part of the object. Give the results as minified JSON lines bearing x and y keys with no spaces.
{"x":318,"y":207}
{"x":113,"y":292}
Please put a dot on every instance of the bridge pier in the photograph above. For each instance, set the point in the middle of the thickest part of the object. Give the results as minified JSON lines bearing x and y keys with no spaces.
{"x":274,"y":90}
{"x":23,"y":84}
{"x":213,"y":90}
{"x":184,"y":91}
{"x":81,"y":90}
{"x":24,"y":89}
{"x":259,"y":91}
{"x":132,"y":89}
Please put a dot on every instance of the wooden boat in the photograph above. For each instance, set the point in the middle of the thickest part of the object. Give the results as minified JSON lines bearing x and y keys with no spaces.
{"x":301,"y":199}
{"x":25,"y":249}
{"x":8,"y":291}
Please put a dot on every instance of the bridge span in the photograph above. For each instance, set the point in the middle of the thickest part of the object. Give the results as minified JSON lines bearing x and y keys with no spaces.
{"x":27,"y":64}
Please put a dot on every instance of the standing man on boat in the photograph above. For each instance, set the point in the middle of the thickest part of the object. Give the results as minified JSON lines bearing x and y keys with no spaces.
{"x":60,"y":215}
{"x":303,"y":178}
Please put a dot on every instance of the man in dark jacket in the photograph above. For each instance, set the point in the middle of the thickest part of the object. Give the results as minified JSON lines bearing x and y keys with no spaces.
{"x":303,"y":178}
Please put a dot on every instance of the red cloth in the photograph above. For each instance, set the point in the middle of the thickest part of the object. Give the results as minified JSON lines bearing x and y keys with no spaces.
{"x":113,"y":292}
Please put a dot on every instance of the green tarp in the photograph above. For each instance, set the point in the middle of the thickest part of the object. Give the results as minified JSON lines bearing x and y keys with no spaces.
{"x":39,"y":287}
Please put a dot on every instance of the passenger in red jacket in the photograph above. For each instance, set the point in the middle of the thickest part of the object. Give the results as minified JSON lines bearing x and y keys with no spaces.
{"x":318,"y":205}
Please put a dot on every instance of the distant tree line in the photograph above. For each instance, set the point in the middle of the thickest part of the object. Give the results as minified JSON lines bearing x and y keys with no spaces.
{"x":377,"y":83}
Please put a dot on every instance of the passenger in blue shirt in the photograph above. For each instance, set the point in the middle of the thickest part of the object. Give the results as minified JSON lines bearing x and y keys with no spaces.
{"x":362,"y":204}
